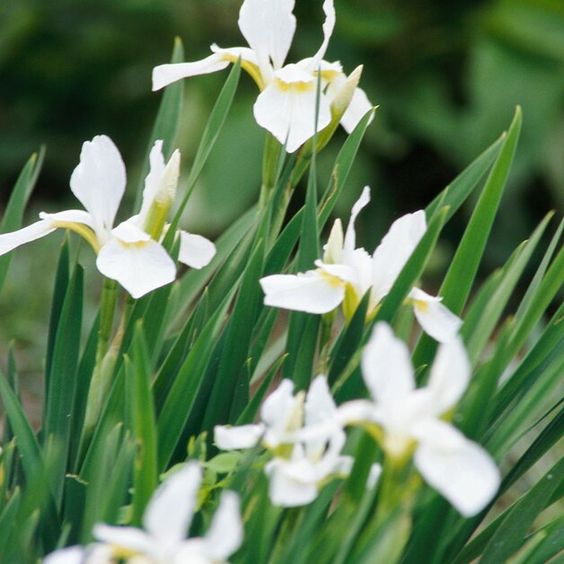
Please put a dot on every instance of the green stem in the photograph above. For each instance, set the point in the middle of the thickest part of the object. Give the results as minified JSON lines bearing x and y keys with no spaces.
{"x":271,"y":156}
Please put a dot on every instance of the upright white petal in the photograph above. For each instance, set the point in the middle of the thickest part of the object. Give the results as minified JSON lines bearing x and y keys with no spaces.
{"x":287,"y":107}
{"x":268,"y":27}
{"x":134,"y":260}
{"x":163,"y":75}
{"x":70,"y":555}
{"x":333,"y":249}
{"x":359,"y":205}
{"x":461,"y":470}
{"x":195,"y":251}
{"x":435,"y":318}
{"x":278,"y":407}
{"x":312,"y":292}
{"x":328,"y":27}
{"x":237,"y":437}
{"x":386,"y":366}
{"x":225,"y":534}
{"x":12,"y":240}
{"x":450,"y":375}
{"x":319,"y":404}
{"x":394,"y":251}
{"x":170,"y":511}
{"x":360,"y":105}
{"x":98,"y":182}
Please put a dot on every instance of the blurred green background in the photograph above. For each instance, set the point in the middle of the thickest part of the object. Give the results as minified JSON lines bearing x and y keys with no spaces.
{"x":446,"y":75}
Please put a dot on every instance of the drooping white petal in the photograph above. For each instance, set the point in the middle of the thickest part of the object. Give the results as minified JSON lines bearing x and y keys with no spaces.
{"x":340,"y":272}
{"x":386,"y":366}
{"x":225,"y":534}
{"x":70,"y":555}
{"x":68,"y":216}
{"x":311,"y":292}
{"x":129,"y":538}
{"x":12,"y":240}
{"x":356,"y":411}
{"x":328,"y":27}
{"x":238,"y":437}
{"x":450,"y":375}
{"x":98,"y":182}
{"x":287,"y":107}
{"x":459,"y":469}
{"x":170,"y":510}
{"x":195,"y":251}
{"x":163,"y":75}
{"x":394,"y":251}
{"x":435,"y":318}
{"x":359,"y":205}
{"x":291,"y":483}
{"x":138,"y":263}
{"x":359,"y":106}
{"x":268,"y":28}
{"x":233,"y":53}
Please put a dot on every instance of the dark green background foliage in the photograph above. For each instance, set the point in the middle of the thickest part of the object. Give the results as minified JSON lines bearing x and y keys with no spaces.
{"x":447,"y":76}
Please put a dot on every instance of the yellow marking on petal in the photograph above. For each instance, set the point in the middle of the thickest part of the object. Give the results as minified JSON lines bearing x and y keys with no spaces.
{"x":123,"y":553}
{"x":351,"y":301}
{"x":84,"y":231}
{"x":298,"y":86}
{"x":250,"y":68}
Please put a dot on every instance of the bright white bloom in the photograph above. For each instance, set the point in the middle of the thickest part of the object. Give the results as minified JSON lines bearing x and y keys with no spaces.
{"x":166,"y":522}
{"x":409,"y":420}
{"x":286,"y":105}
{"x":347,"y":273}
{"x":127,"y":253}
{"x":301,"y":465}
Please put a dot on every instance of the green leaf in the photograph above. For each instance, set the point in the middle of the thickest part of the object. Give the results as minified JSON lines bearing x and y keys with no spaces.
{"x":460,"y":276}
{"x":138,"y":377}
{"x":209,"y":137}
{"x":507,"y":533}
{"x":231,"y":373}
{"x":13,"y":214}
{"x":167,"y":121}
{"x":59,"y":401}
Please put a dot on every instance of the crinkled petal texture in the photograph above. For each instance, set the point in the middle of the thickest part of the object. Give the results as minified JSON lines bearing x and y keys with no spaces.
{"x":163,"y":75}
{"x":238,"y":437}
{"x":394,"y":251}
{"x":328,"y":27}
{"x":268,"y":27}
{"x":14,"y":239}
{"x":312,"y":292}
{"x":350,"y":236}
{"x":195,"y":251}
{"x":386,"y":366}
{"x":98,"y":182}
{"x":435,"y":318}
{"x":170,"y":510}
{"x":461,"y":470}
{"x":287,"y":107}
{"x":133,"y":259}
{"x":225,"y":534}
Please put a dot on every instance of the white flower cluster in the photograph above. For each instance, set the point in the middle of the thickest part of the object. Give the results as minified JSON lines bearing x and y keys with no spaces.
{"x":166,"y":521}
{"x":410,"y":423}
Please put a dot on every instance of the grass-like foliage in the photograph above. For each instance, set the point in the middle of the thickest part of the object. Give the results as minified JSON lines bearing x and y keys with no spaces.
{"x":290,"y":397}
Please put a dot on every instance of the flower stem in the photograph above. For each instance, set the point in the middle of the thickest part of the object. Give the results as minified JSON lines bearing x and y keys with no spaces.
{"x":271,"y":156}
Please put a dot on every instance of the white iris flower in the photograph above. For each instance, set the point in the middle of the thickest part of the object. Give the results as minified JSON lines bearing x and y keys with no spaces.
{"x":300,"y":466}
{"x":408,"y":420}
{"x":127,"y":253}
{"x":166,"y":522}
{"x":287,"y":104}
{"x":347,"y":273}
